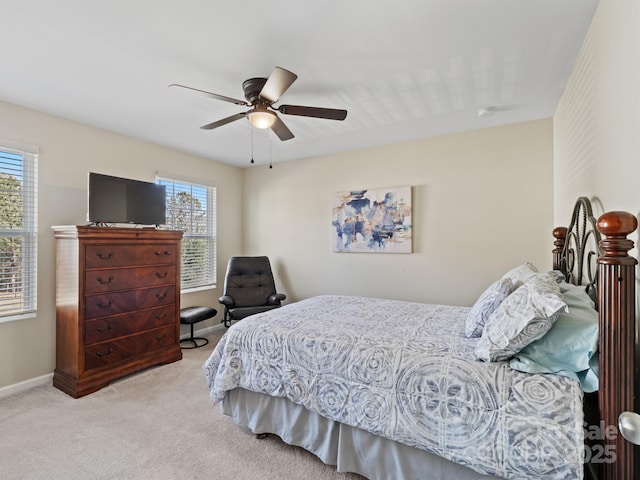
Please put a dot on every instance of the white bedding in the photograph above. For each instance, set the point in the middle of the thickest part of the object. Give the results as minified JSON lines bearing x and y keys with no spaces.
{"x":405,"y":371}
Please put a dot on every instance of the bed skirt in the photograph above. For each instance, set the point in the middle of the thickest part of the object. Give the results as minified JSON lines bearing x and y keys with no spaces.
{"x":349,"y":449}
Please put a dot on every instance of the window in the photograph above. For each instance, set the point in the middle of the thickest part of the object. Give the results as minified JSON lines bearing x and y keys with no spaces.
{"x":191,"y":208}
{"x":18,"y":233}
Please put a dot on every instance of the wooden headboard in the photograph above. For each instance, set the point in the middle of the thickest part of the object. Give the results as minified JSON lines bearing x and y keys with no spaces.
{"x":596,"y":254}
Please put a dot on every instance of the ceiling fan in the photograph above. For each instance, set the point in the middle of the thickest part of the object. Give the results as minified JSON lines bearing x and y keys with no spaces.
{"x":261,"y":94}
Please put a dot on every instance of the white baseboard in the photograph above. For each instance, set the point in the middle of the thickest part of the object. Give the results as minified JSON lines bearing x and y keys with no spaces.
{"x":203,"y":331}
{"x":26,"y":385}
{"x":37,"y":381}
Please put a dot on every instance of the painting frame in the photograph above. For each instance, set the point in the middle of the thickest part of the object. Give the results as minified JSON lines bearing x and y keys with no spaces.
{"x":375,"y":220}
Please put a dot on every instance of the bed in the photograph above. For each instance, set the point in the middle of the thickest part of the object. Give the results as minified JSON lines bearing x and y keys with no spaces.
{"x":393,"y":389}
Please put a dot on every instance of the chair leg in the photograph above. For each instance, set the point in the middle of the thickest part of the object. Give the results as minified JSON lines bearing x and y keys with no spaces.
{"x":226,"y":320}
{"x":193,"y":339}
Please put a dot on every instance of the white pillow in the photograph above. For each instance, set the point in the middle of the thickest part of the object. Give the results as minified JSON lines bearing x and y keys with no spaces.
{"x":486,"y":304}
{"x":521,"y":274}
{"x":524,"y":316}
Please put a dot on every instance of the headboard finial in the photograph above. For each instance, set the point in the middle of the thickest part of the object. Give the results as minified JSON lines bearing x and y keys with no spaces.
{"x":560,"y":235}
{"x":616,"y":226}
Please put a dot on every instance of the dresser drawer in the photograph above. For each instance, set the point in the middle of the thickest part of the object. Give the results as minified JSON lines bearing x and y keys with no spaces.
{"x":106,"y":256}
{"x":109,"y":353}
{"x":155,"y":339}
{"x":98,"y":281}
{"x":109,"y":328}
{"x":107,"y":304}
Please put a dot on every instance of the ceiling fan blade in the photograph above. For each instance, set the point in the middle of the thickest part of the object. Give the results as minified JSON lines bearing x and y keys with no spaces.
{"x":328,"y":113}
{"x":224,"y":121}
{"x":214,"y":95}
{"x":281,"y":130}
{"x":277,"y":83}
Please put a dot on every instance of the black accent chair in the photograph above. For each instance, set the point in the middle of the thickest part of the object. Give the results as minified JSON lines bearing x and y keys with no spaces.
{"x":249,"y":288}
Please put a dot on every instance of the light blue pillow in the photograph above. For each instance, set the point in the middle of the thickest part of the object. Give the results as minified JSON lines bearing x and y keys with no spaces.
{"x":568,"y":348}
{"x":486,"y":304}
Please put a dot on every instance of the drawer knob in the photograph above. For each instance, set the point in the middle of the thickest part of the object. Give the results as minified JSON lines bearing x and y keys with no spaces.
{"x":102,"y":330}
{"x":102,"y":256}
{"x":102,"y":281}
{"x":160,"y":275}
{"x":102,"y":355}
{"x":103,"y":305}
{"x":166,"y":252}
{"x":159,"y":337}
{"x":161,"y":316}
{"x":161,"y":297}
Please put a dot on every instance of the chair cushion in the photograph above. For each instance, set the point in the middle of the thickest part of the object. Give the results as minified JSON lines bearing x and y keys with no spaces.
{"x":239,"y":313}
{"x":191,"y":315}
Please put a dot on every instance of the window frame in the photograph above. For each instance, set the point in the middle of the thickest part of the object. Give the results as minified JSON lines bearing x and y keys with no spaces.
{"x":27,"y":305}
{"x":171,"y":181}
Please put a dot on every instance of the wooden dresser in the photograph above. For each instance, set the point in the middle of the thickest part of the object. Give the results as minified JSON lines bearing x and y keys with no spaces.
{"x":117,"y":304}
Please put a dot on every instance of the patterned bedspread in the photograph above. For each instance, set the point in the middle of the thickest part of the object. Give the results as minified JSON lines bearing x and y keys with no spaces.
{"x":406,"y":371}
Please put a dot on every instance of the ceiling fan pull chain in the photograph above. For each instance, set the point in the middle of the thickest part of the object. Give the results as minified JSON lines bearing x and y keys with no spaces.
{"x":252,"y":146}
{"x":270,"y":151}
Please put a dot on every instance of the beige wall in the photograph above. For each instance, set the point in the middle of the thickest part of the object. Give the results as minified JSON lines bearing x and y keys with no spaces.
{"x":482,"y":202}
{"x":69,"y":150}
{"x":597,"y":122}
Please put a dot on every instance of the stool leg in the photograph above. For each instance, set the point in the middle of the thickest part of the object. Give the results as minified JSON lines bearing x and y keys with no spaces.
{"x":193,"y":339}
{"x":192,"y":334}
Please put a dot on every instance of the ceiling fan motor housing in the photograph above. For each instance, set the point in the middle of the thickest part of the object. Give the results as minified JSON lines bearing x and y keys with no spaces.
{"x":252,"y":89}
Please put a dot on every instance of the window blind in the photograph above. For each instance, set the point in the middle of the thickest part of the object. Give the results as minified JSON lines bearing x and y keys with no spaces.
{"x":18,"y":232}
{"x":191,"y":208}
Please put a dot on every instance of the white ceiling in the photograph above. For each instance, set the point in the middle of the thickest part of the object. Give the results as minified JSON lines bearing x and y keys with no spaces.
{"x":404,"y":69}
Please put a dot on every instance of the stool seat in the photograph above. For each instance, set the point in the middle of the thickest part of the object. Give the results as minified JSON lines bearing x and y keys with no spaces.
{"x":190,"y":316}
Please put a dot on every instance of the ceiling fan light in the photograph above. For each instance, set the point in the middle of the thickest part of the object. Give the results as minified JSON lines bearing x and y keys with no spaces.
{"x":261,"y":118}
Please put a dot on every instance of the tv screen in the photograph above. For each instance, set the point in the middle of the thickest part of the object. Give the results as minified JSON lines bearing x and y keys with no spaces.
{"x":123,"y":200}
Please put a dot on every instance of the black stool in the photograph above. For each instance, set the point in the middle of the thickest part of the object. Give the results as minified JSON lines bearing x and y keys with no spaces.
{"x":191,"y":315}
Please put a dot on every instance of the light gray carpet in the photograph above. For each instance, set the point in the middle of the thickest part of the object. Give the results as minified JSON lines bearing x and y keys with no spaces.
{"x":156,"y":424}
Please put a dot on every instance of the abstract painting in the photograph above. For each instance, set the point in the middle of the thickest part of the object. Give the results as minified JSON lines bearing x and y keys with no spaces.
{"x":375,"y":221}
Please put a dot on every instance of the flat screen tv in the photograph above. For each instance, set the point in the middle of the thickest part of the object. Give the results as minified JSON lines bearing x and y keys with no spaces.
{"x":123,"y":200}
